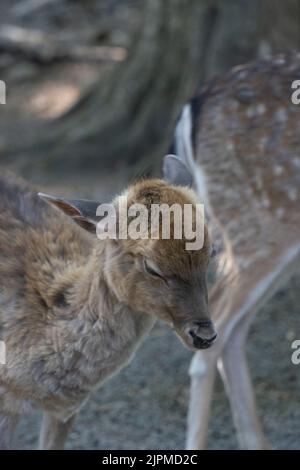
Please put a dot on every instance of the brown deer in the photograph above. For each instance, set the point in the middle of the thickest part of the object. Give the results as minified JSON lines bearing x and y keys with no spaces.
{"x":247,"y":170}
{"x":73,"y":308}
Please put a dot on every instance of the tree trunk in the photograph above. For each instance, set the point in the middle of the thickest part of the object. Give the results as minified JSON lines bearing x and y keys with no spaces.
{"x":131,"y":110}
{"x":129,"y":114}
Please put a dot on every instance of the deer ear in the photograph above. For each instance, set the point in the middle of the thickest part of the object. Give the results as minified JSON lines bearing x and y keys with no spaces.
{"x":82,"y":211}
{"x":176,"y":172}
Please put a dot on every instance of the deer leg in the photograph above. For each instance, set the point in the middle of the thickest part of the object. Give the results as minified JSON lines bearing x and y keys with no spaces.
{"x":203,"y":373}
{"x":8,"y":425}
{"x":54,"y":432}
{"x":234,"y":371}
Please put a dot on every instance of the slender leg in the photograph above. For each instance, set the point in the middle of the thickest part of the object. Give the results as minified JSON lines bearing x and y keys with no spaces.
{"x":234,"y":371}
{"x":203,"y":373}
{"x":8,"y":424}
{"x":54,"y":433}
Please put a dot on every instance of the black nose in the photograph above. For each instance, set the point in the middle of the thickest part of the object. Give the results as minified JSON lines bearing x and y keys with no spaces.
{"x":203,"y":334}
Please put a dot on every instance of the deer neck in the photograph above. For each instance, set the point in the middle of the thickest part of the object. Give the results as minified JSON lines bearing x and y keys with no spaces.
{"x":99,"y":302}
{"x":105,"y":331}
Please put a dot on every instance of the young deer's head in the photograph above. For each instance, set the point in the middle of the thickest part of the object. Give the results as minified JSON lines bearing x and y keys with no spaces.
{"x":159,"y":277}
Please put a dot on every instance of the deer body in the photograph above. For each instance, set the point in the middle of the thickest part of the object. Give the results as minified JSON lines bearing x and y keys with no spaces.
{"x":73,"y":309}
{"x":247,"y":166}
{"x":64,"y":328}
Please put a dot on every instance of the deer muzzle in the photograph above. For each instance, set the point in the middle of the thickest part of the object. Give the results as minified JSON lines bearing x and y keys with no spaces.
{"x":203,"y":334}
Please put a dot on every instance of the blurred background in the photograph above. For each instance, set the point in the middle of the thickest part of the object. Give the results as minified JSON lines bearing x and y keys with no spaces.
{"x":94,"y":88}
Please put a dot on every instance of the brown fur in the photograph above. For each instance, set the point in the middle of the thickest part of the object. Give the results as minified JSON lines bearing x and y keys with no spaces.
{"x":73,"y":309}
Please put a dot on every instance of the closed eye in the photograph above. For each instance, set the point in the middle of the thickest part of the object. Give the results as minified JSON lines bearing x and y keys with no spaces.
{"x":150,"y":269}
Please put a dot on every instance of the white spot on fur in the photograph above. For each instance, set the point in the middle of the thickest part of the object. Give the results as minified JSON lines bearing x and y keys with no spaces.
{"x":257,"y":110}
{"x":265,"y":202}
{"x":292,"y":193}
{"x":230,"y":146}
{"x":280,"y":212}
{"x":296,"y":162}
{"x":281,"y":115}
{"x":277,"y":170}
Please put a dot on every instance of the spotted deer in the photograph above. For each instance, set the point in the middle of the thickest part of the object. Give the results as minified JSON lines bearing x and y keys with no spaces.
{"x":73,"y":308}
{"x":246,"y":142}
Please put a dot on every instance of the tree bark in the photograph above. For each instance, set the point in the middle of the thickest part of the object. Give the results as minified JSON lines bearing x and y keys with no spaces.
{"x":43,"y":49}
{"x":130,"y":112}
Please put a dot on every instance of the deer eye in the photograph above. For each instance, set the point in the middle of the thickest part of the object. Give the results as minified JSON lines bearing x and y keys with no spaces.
{"x":151,"y":269}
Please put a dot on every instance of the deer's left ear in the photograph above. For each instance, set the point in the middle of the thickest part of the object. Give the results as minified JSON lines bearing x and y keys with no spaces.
{"x":176,"y":172}
{"x":82,"y":211}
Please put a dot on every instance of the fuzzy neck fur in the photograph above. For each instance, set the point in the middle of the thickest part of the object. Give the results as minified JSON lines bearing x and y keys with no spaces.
{"x":103,"y":335}
{"x":89,"y":335}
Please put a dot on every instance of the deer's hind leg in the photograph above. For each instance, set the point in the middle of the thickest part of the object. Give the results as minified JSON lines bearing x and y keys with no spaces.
{"x":54,"y":432}
{"x":233,"y":367}
{"x":8,"y":424}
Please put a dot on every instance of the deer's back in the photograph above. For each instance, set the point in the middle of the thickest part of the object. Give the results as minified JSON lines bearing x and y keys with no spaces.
{"x":37,"y":244}
{"x":248,"y":153}
{"x":33,"y":234}
{"x":248,"y":148}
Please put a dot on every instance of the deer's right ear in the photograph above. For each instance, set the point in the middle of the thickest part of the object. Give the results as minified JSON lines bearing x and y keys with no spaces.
{"x":82,"y":211}
{"x":176,"y":172}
